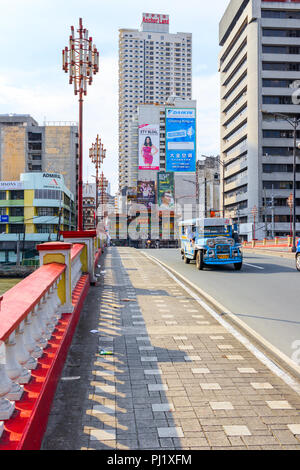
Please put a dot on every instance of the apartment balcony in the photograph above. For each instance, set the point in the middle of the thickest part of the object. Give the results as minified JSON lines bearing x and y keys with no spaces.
{"x":280,"y":108}
{"x":237,"y":167}
{"x":238,"y":44}
{"x":238,"y":121}
{"x":236,"y":199}
{"x":280,"y":57}
{"x":226,"y":145}
{"x":234,"y":109}
{"x":235,"y":184}
{"x":235,"y":78}
{"x":281,"y":41}
{"x":281,"y":74}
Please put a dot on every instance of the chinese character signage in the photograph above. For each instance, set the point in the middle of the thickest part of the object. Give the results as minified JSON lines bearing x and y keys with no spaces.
{"x":181,"y":139}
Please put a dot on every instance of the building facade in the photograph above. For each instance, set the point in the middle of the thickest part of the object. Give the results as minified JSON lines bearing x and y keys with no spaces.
{"x":153,"y":65}
{"x":27,"y":147}
{"x":89,"y":205}
{"x":33,"y":209}
{"x":208,"y":187}
{"x":259,"y":64}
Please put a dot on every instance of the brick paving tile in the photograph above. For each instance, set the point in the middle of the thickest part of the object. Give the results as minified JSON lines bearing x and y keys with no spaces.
{"x":185,"y":383}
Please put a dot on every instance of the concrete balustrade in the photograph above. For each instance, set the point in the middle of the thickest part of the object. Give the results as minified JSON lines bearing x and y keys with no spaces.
{"x":31,"y":311}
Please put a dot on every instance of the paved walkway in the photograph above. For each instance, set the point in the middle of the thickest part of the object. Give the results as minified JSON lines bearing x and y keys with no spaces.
{"x":177,"y":378}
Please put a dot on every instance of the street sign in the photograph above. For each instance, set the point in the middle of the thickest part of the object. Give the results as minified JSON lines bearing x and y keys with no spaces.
{"x":4,"y":218}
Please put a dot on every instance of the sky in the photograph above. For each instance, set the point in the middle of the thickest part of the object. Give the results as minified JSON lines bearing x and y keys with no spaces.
{"x":34,"y":32}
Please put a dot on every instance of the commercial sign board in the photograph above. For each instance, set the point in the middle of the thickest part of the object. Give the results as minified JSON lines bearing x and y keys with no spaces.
{"x":146,"y":193}
{"x":148,"y":147}
{"x":181,"y":139}
{"x":155,"y":18}
{"x":165,"y":191}
{"x":4,"y":218}
{"x":11,"y":185}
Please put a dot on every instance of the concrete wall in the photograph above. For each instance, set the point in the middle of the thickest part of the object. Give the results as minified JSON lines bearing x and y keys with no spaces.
{"x":12,"y":152}
{"x":59,"y":153}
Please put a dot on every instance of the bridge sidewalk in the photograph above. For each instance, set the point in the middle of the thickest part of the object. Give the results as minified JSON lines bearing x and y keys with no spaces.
{"x":177,"y":379}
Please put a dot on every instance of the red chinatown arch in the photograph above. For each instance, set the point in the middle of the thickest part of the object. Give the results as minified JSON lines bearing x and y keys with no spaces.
{"x":81,"y":61}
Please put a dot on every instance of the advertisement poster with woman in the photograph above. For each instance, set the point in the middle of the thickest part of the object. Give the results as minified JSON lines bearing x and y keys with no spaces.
{"x":146,"y":193}
{"x":148,"y":147}
{"x":165,"y":191}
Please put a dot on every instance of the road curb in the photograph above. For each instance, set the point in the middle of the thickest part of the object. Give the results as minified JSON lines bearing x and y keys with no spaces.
{"x":276,"y":356}
{"x":287,"y":255}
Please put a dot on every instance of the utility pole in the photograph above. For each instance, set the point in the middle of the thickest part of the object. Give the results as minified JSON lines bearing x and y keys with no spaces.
{"x":273,"y":213}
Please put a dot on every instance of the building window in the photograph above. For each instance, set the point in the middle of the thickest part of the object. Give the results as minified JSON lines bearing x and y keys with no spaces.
{"x":2,"y":195}
{"x":17,"y":195}
{"x":16,"y":211}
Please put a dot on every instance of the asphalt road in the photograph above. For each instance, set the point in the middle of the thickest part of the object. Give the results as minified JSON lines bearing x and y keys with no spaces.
{"x":265,"y":294}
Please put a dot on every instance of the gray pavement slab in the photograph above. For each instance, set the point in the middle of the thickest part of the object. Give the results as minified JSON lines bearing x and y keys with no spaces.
{"x":197,"y":394}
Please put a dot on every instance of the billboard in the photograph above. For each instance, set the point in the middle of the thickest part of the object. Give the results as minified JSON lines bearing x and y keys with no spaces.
{"x":181,"y":139}
{"x":148,"y":147}
{"x":146,"y":193}
{"x":165,"y":191}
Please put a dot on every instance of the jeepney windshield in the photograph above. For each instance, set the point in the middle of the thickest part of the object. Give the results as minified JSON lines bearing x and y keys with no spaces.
{"x":216,"y":230}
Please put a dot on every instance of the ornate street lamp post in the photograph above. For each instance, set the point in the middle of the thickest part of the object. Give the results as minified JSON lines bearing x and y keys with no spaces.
{"x":81,"y":61}
{"x":97,"y":155}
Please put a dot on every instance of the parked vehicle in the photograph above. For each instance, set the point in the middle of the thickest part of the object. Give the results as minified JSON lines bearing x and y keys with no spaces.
{"x":298,"y":256}
{"x":210,"y":242}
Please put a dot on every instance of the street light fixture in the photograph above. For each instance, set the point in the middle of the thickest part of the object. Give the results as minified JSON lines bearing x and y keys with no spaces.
{"x":294,"y":122}
{"x":81,"y":61}
{"x":97,"y":155}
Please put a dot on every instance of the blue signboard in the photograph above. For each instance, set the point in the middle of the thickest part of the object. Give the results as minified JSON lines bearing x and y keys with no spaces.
{"x":181,"y":139}
{"x":4,"y":218}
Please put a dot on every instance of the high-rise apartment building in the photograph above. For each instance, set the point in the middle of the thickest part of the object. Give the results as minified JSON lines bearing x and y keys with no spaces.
{"x":153,"y":65}
{"x":259,"y":62}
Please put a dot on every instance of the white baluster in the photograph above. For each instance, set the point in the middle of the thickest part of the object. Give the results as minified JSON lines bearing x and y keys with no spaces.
{"x":6,"y":406}
{"x":46,"y":317}
{"x":29,"y":341}
{"x":38,"y":330}
{"x":52,"y":307}
{"x":22,"y":354}
{"x":57,"y":301}
{"x":1,"y":427}
{"x":14,"y":370}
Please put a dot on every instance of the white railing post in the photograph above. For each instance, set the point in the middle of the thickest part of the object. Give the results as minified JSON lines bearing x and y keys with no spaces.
{"x":15,"y":371}
{"x":38,"y":330}
{"x":22,"y":355}
{"x":6,"y":406}
{"x":29,"y":341}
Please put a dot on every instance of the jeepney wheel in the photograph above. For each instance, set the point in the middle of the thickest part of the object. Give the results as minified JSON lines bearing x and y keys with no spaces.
{"x":298,"y":262}
{"x":199,"y":260}
{"x":186,"y":260}
{"x":238,"y":266}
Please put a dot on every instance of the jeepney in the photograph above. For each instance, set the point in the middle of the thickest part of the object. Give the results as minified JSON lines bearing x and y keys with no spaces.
{"x":298,"y":256}
{"x":210,"y":242}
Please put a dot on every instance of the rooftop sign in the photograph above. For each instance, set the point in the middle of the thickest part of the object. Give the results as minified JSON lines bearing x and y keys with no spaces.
{"x":155,"y":18}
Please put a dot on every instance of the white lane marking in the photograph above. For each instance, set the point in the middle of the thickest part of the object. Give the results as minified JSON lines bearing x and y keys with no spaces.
{"x":256,"y":352}
{"x":253,"y":266}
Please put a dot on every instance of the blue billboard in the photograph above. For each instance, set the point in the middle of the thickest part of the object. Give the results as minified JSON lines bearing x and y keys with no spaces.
{"x":181,"y":139}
